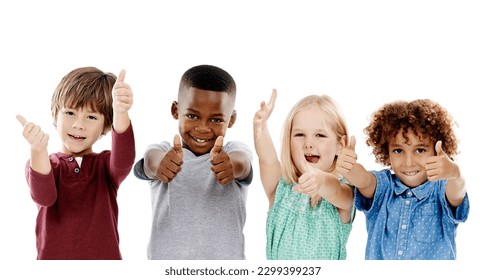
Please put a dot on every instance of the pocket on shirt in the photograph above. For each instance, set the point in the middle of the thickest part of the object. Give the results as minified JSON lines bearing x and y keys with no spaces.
{"x":426,"y":226}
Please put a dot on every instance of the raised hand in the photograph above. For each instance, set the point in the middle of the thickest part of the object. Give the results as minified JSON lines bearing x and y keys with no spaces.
{"x":122,"y":102}
{"x":261,"y":116}
{"x":171,"y":163}
{"x":440,"y":166}
{"x":122,"y":94}
{"x":311,"y":179}
{"x":347,"y":158}
{"x":221,"y":163}
{"x":37,"y":139}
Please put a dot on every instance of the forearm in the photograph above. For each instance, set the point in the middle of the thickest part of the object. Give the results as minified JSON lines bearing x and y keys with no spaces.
{"x":362,"y":179}
{"x":337,"y":193}
{"x":241,"y":164}
{"x":269,"y":164}
{"x":456,"y":191}
{"x":121,"y":122}
{"x":152,"y":159}
{"x":122,"y":154}
{"x":39,"y":161}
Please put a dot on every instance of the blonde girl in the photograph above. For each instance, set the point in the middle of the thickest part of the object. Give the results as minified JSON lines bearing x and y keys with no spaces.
{"x":311,"y":206}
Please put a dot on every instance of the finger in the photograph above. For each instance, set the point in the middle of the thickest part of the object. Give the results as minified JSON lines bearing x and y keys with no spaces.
{"x":121,"y":76}
{"x":218,"y":145}
{"x":438,"y":148}
{"x":177,"y":144}
{"x":352,"y":143}
{"x":271,"y":103}
{"x":304,"y":165}
{"x":21,"y":119}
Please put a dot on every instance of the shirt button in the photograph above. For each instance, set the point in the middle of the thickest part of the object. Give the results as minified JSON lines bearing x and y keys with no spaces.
{"x":409,"y":194}
{"x":407,"y":202}
{"x":76,"y":170}
{"x":400,"y":252}
{"x":71,"y":159}
{"x":404,"y":226}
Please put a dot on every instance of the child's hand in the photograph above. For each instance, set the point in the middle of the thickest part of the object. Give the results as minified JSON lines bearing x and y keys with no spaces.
{"x":261,"y":116}
{"x":310,"y":178}
{"x":171,"y":163}
{"x":37,"y":139}
{"x":221,"y":163}
{"x":441,"y":167}
{"x":347,"y":158}
{"x":122,"y":94}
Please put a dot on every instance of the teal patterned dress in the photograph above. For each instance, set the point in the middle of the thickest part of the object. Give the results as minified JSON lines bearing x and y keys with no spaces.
{"x":296,"y":231}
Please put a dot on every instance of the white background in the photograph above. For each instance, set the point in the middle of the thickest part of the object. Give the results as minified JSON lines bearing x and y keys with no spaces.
{"x":362,"y":53}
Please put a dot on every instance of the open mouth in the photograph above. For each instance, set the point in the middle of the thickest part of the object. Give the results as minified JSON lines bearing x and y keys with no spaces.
{"x":312,"y":158}
{"x":76,"y":137}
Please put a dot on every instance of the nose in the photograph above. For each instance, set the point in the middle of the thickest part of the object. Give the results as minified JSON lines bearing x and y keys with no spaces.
{"x":202,"y":127}
{"x":78,"y":123}
{"x":308,"y":144}
{"x":408,"y":159}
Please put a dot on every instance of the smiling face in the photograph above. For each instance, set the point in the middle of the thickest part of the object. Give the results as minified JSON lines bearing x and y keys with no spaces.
{"x":203,"y":116}
{"x":313,"y":138}
{"x":78,"y":129}
{"x":408,"y":158}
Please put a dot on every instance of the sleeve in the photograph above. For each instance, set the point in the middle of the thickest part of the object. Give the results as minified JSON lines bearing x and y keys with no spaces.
{"x":233,"y":146}
{"x":139,"y":169}
{"x":42,"y":187}
{"x":455,"y":215}
{"x":366,"y":204}
{"x":122,"y":155}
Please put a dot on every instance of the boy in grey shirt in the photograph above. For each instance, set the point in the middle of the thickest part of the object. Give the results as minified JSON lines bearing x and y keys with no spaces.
{"x":199,"y":185}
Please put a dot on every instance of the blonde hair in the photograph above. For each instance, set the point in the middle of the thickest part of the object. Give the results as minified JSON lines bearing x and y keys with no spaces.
{"x":332,"y":111}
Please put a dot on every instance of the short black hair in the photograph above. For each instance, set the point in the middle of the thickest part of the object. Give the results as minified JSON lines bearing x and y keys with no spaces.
{"x":208,"y":77}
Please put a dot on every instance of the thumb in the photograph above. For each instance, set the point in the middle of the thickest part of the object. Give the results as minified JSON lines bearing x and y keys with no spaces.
{"x":218,"y":145}
{"x":177,"y":144}
{"x":121,"y":76}
{"x":438,"y":148}
{"x":352,"y":143}
{"x":304,"y":165}
{"x":21,"y":119}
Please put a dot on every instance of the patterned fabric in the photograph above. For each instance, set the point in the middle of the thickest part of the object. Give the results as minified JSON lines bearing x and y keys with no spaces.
{"x":410,"y":223}
{"x":295,"y":230}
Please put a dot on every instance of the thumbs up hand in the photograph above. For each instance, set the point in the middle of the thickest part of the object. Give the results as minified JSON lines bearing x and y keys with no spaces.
{"x":347,"y":158}
{"x":122,"y":94}
{"x":311,"y":179}
{"x":37,"y":139}
{"x":171,"y":163}
{"x":440,"y":166}
{"x":221,"y":163}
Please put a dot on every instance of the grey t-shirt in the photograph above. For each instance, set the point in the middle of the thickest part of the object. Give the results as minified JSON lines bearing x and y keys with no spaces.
{"x":195,"y":217}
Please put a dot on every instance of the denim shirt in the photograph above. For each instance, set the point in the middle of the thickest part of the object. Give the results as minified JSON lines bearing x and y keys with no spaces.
{"x":410,"y":223}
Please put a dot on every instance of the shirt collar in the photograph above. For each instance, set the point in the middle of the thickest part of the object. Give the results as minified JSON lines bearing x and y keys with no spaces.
{"x":420,"y":192}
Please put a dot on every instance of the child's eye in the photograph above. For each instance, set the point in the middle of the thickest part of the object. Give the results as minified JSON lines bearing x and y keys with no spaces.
{"x":92,"y":117}
{"x":420,"y":151}
{"x":191,"y":116}
{"x":298,"y":134}
{"x":320,"y":135}
{"x":69,"y":113}
{"x":397,"y":151}
{"x":215,"y":120}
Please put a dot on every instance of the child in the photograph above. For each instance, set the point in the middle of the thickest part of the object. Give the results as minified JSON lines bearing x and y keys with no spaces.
{"x":412,"y":209}
{"x":311,"y":208}
{"x":198,"y":186}
{"x":75,"y":189}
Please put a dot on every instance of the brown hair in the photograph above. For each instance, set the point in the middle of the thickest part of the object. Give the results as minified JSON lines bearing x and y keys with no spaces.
{"x":423,"y":117}
{"x":86,"y":86}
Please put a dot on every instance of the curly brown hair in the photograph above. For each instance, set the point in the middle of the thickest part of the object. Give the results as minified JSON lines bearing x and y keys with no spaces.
{"x":423,"y":117}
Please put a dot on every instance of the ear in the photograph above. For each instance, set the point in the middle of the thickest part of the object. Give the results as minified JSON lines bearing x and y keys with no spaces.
{"x":54,"y":121}
{"x":341,"y":144}
{"x":174,"y":110}
{"x":232,"y":119}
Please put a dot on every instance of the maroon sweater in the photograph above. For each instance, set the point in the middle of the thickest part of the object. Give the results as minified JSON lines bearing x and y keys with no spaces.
{"x":78,"y":211}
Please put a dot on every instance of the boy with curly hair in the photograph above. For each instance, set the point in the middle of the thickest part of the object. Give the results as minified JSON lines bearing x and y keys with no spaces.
{"x":412,"y":209}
